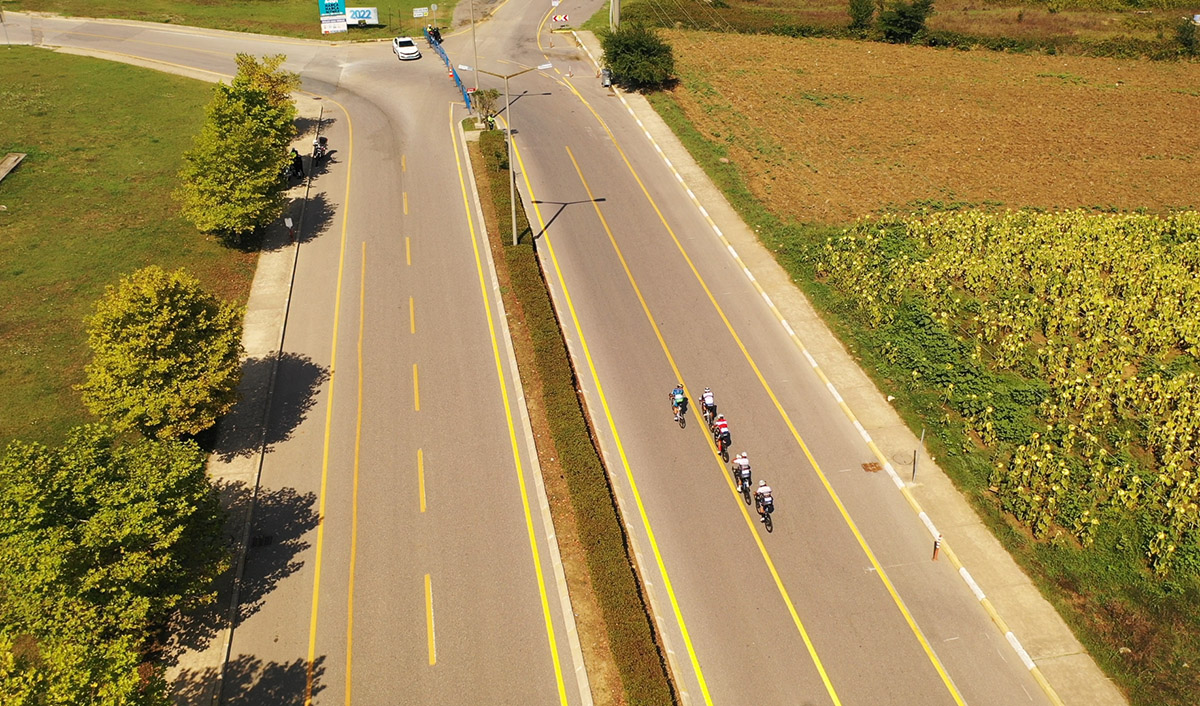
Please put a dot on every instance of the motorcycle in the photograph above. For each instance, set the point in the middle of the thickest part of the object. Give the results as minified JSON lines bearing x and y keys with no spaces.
{"x":320,"y":148}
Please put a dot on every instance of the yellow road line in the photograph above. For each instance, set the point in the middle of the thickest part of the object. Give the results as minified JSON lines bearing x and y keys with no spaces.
{"x":879,"y":570}
{"x":429,"y":620}
{"x":407,"y":251}
{"x":404,"y":163}
{"x":508,"y":416}
{"x":412,"y":316}
{"x":421,"y":477}
{"x":637,"y":496}
{"x":404,"y":194}
{"x":812,"y":651}
{"x":416,"y":390}
{"x":362,"y":297}
{"x":337,"y":308}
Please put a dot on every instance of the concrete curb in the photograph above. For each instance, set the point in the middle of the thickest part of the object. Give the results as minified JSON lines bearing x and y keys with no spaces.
{"x":1098,"y":688}
{"x":560,"y":579}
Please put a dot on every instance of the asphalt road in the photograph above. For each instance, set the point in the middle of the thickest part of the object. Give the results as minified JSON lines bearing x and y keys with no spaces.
{"x":840,"y":604}
{"x":394,"y":415}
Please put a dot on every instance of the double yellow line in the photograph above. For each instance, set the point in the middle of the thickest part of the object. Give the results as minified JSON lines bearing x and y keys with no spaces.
{"x":910,"y":621}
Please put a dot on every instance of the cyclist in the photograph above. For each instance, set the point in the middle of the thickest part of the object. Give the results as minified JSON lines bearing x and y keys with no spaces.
{"x":721,"y":431}
{"x":741,"y":471}
{"x":709,"y":403}
{"x":763,"y":502}
{"x":678,"y":401}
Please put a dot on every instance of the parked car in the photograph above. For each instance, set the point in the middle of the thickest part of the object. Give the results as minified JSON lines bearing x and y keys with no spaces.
{"x":405,"y":48}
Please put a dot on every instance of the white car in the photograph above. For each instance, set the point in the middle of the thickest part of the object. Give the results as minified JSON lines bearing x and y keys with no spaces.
{"x":405,"y":48}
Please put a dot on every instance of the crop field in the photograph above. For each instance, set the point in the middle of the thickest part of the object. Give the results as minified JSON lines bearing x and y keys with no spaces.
{"x":1060,"y":22}
{"x":826,"y":131}
{"x":1009,"y":245}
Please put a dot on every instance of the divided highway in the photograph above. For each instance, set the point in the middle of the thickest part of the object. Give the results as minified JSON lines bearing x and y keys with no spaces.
{"x":430,"y":578}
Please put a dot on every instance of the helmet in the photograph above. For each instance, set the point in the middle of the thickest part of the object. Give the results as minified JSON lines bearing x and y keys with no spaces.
{"x":761,"y":483}
{"x":708,"y":389}
{"x":720,"y":416}
{"x":742,"y":455}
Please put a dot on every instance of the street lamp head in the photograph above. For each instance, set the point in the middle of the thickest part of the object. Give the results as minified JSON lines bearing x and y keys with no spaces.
{"x":464,"y":67}
{"x":543,"y":67}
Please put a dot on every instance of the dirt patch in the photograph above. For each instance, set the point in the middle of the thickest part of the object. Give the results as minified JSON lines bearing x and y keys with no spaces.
{"x":831,"y":130}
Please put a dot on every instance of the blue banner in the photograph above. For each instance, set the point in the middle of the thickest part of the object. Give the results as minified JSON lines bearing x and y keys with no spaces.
{"x":332,"y":7}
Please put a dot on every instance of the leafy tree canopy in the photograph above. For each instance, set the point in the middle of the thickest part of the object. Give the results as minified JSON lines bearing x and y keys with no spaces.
{"x":903,"y":21}
{"x":166,"y":355}
{"x":639,"y":58}
{"x":99,"y":544}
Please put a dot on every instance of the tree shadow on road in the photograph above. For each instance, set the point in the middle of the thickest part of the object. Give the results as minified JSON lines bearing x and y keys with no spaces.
{"x":249,"y":681}
{"x":281,"y":519}
{"x":297,"y":381}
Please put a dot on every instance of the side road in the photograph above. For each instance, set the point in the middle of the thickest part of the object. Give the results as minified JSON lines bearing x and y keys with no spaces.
{"x":1039,"y":636}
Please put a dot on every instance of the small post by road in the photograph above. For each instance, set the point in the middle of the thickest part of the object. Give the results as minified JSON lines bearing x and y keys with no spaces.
{"x":915,"y":451}
{"x":937,"y":544}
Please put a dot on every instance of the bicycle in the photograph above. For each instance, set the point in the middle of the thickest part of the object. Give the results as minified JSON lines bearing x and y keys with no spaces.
{"x":723,"y":440}
{"x":764,"y":511}
{"x":742,"y":484}
{"x":680,"y":410}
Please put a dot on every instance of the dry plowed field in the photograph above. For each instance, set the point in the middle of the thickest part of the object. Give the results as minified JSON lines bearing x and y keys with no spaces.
{"x":829,"y":130}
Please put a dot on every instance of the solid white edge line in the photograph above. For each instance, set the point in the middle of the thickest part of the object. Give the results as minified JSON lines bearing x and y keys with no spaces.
{"x":1016,"y":645}
{"x":966,"y":576}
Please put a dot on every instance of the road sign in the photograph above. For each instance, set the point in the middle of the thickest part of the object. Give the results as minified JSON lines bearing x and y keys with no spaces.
{"x":559,"y":18}
{"x":470,"y":89}
{"x":420,"y":12}
{"x":331,"y":24}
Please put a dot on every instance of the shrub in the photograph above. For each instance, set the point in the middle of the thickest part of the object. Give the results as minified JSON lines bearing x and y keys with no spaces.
{"x":1186,"y":37}
{"x":165,"y":355}
{"x":903,"y":21}
{"x":862,"y":12}
{"x":640,"y":60}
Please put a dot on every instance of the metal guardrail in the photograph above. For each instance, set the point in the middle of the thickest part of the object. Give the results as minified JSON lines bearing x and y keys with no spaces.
{"x":437,"y":46}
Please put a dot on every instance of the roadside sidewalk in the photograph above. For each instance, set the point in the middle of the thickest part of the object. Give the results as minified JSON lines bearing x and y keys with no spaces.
{"x":1030,"y":623}
{"x":234,"y":466}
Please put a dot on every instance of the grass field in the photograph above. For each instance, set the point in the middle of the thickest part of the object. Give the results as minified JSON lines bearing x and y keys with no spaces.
{"x":289,"y":18}
{"x":831,"y":130}
{"x":91,"y":202}
{"x":804,"y":136}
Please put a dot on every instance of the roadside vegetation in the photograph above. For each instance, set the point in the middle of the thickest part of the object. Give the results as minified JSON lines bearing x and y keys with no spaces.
{"x":287,"y":18}
{"x":91,"y":202}
{"x":109,"y":531}
{"x":1016,"y":293}
{"x":1121,"y":28}
{"x":623,"y":656}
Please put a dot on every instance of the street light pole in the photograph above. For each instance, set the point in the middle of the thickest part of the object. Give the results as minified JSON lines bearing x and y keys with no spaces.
{"x":512,"y":175}
{"x":474,"y":46}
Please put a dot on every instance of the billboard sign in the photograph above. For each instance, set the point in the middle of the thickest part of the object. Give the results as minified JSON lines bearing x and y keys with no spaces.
{"x":332,"y":7}
{"x":363,"y":15}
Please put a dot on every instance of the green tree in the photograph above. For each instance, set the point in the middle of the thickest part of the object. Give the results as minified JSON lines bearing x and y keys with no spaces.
{"x":862,"y":12}
{"x":166,"y":355}
{"x":268,"y":75}
{"x":99,"y":545}
{"x":486,"y":103}
{"x":230,"y":180}
{"x":903,"y":21}
{"x":640,"y":60}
